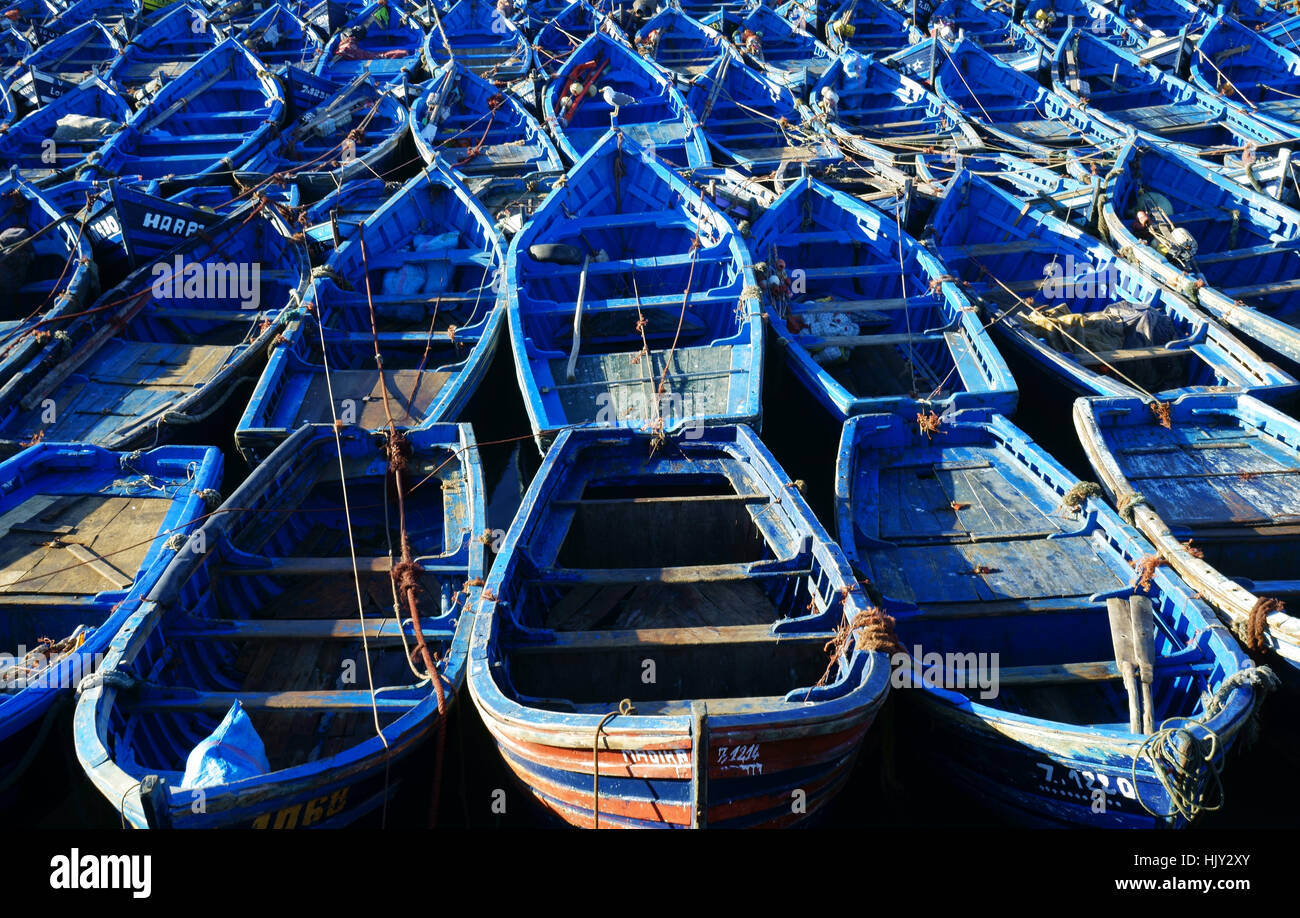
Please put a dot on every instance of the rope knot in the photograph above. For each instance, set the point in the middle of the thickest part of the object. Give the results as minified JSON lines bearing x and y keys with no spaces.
{"x":1077,"y":495}
{"x":399,"y":451}
{"x":406,"y":574}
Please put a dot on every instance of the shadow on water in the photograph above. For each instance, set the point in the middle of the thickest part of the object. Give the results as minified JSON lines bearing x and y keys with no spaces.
{"x":894,"y":782}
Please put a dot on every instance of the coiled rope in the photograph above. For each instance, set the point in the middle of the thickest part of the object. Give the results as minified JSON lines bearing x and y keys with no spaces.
{"x":1183,"y":762}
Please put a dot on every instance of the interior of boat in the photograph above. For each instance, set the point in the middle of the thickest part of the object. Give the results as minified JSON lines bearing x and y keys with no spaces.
{"x":663,"y":587}
{"x":981,"y":564}
{"x":271,"y":617}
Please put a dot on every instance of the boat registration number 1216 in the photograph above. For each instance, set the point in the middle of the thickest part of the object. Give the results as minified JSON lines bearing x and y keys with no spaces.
{"x":304,"y":814}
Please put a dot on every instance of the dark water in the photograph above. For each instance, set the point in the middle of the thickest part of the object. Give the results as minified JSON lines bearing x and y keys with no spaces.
{"x":894,"y":783}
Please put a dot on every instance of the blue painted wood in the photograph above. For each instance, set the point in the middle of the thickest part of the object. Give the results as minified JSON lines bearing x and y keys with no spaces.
{"x":1222,"y":476}
{"x":690,"y":280}
{"x":58,"y":609}
{"x":430,"y":275}
{"x":559,"y":36}
{"x":477,"y":35}
{"x":122,"y":16}
{"x":868,"y":27}
{"x":478,"y":130}
{"x":48,"y":276}
{"x":1124,"y":94}
{"x":387,"y":30}
{"x":1165,"y":18}
{"x":25,"y":145}
{"x":334,"y":218}
{"x":165,"y":50}
{"x":221,"y":111}
{"x":786,"y":53}
{"x":357,"y":130}
{"x":14,"y":46}
{"x":735,"y":590}
{"x":965,"y":537}
{"x":63,"y":62}
{"x":1014,"y":107}
{"x":753,"y":124}
{"x":1245,"y":243}
{"x":878,"y":113}
{"x":861,"y":330}
{"x":267,"y":610}
{"x":168,"y":345}
{"x":680,"y":44}
{"x":280,"y":37}
{"x":989,"y":27}
{"x":659,"y":119}
{"x":995,"y":245}
{"x":1248,"y":71}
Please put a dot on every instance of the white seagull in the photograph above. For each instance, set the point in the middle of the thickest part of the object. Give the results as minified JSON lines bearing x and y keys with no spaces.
{"x":615,"y":98}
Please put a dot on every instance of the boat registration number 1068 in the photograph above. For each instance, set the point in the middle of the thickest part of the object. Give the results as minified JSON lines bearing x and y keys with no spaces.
{"x":304,"y":814}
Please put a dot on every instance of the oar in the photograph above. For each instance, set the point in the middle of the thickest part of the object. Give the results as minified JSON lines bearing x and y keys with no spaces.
{"x":1121,"y":638}
{"x":1142,"y":617}
{"x":577,"y":319}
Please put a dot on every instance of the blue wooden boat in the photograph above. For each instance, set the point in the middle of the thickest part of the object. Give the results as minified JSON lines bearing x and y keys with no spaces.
{"x":165,"y":50}
{"x":359,"y":129}
{"x":1121,"y":94}
{"x":98,"y":108}
{"x":382,"y":41}
{"x":1049,"y":20}
{"x":1012,"y":106}
{"x":86,"y":534}
{"x":1068,"y":304}
{"x":122,"y":17}
{"x":995,"y":565}
{"x":578,"y":115}
{"x":632,"y":303}
{"x":868,"y":27}
{"x":1249,"y":71}
{"x":986,"y":25}
{"x":167,"y":346}
{"x":753,"y":123}
{"x":1285,"y":33}
{"x":476,"y":34}
{"x":478,"y":130}
{"x":1215,"y":489}
{"x":1228,"y":248}
{"x":786,"y":54}
{"x":58,"y":65}
{"x":878,"y":113}
{"x":560,"y":36}
{"x":866,"y":317}
{"x":14,"y":46}
{"x":680,"y":44}
{"x":700,"y":560}
{"x":416,"y":288}
{"x":279,"y":36}
{"x":218,"y":113}
{"x":1256,"y":15}
{"x":46,"y":273}
{"x":1163,"y":18}
{"x":274,"y":638}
